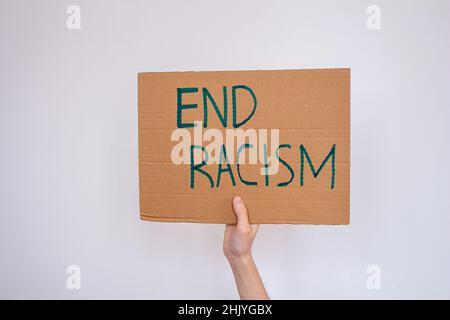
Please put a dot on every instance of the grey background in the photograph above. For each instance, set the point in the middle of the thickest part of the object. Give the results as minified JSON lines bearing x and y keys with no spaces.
{"x":68,"y":132}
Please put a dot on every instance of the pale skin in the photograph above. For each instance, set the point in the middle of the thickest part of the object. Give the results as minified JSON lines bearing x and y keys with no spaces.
{"x":237,"y":246}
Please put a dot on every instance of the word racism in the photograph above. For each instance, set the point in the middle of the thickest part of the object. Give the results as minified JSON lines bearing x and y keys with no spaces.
{"x":221,"y":146}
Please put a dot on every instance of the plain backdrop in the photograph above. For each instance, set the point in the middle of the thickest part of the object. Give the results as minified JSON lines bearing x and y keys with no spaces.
{"x":69,"y":166}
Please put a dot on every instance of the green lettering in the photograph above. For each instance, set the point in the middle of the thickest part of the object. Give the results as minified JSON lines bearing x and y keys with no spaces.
{"x":304,"y":154}
{"x":181,"y":106}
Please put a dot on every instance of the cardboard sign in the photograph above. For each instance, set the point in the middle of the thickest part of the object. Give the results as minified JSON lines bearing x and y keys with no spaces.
{"x":279,"y":139}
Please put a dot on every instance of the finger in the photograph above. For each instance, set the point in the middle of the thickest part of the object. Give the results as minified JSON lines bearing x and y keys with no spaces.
{"x":241,"y":213}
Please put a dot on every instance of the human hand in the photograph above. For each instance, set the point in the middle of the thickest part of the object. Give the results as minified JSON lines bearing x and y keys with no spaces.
{"x":238,"y":239}
{"x":237,"y":246}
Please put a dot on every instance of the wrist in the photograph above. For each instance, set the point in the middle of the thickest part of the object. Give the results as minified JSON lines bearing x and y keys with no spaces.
{"x":240,"y":261}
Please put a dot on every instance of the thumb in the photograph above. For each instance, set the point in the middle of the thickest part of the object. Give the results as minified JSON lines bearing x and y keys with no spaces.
{"x":241,"y":213}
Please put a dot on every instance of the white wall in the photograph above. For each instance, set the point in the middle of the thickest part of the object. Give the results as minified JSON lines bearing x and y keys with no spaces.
{"x":68,"y":133}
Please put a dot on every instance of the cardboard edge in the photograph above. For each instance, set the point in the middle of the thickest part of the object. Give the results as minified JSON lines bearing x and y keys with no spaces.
{"x":243,"y":70}
{"x":150,"y":218}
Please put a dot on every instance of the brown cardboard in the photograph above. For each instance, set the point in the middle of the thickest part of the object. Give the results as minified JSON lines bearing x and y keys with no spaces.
{"x":309,"y":107}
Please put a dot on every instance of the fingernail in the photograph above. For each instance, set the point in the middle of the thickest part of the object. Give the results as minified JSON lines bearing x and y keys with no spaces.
{"x":237,"y":200}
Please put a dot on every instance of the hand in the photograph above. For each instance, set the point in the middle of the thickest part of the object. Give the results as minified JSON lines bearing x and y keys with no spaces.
{"x":238,"y":240}
{"x":237,"y":246}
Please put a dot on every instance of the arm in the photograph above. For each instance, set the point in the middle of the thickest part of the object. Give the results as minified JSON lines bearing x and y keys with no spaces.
{"x":237,"y":246}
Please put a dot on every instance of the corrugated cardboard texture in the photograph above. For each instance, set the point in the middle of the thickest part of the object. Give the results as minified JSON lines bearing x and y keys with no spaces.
{"x":309,"y":107}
